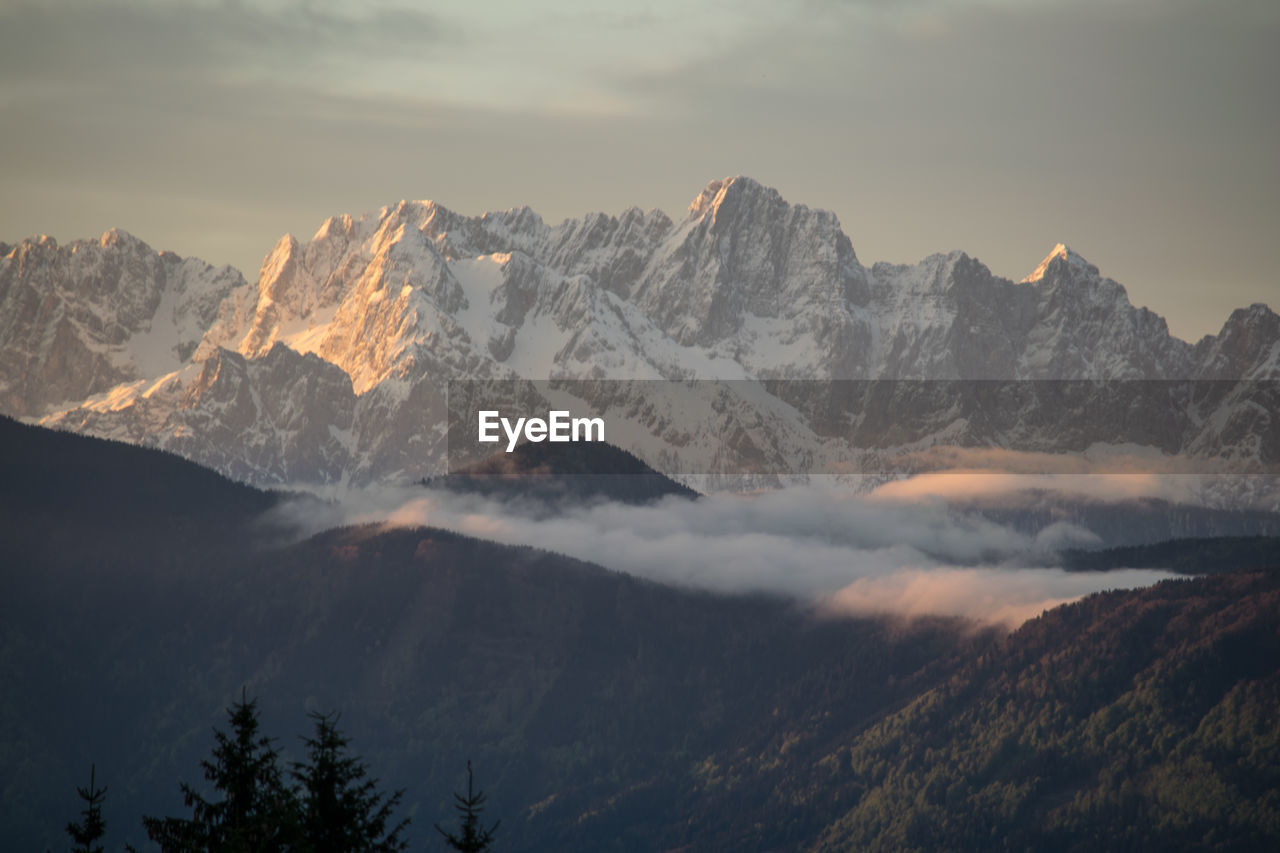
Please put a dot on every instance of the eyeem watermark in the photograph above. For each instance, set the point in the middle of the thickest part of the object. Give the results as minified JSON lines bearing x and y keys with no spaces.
{"x":558,"y":426}
{"x":880,"y":427}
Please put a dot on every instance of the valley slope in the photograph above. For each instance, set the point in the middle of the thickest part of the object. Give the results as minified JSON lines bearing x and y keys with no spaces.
{"x":139,"y":593}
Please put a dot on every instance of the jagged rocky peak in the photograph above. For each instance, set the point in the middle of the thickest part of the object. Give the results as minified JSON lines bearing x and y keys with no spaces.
{"x":346,"y":233}
{"x":282,"y":254}
{"x":286,"y":289}
{"x":335,"y":226}
{"x":391,"y":303}
{"x":519,"y":219}
{"x":741,"y":208}
{"x":936,"y":273}
{"x":117,"y":237}
{"x":406,"y":257}
{"x":599,"y":230}
{"x":1248,"y":346}
{"x":457,"y":236}
{"x":454,"y":235}
{"x":733,"y":203}
{"x":301,"y":285}
{"x":729,"y":192}
{"x":613,"y":250}
{"x":1066,"y":258}
{"x":75,"y":320}
{"x":742,"y":252}
{"x":1257,"y":313}
{"x":40,"y":243}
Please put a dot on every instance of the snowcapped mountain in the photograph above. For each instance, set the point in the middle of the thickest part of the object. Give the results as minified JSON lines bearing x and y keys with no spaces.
{"x":80,"y":319}
{"x":332,"y":368}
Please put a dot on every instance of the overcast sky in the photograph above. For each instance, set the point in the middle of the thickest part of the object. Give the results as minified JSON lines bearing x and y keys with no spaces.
{"x":1145,"y":134}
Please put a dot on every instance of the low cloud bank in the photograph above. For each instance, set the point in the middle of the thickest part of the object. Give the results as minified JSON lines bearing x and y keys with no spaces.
{"x":990,"y":595}
{"x":847,"y":553}
{"x":971,"y":484}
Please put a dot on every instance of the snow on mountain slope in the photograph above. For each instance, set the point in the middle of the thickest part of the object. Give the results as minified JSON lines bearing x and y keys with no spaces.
{"x":1248,"y":346}
{"x":333,"y":366}
{"x":1061,"y":252}
{"x":76,"y":320}
{"x":282,"y":418}
{"x":1085,"y":326}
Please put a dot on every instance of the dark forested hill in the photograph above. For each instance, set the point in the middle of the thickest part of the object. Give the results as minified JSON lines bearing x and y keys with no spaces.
{"x":1130,"y":720}
{"x":129,"y":621}
{"x":1195,"y":556}
{"x":62,"y":476}
{"x":557,"y":473}
{"x":139,"y":594}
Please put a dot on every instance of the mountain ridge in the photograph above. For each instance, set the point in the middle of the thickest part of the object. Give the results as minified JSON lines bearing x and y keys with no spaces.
{"x":745,"y":286}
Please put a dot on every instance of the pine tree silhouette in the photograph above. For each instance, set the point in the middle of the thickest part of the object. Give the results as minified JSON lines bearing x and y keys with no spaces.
{"x":257,"y":812}
{"x":92,"y":827}
{"x":342,"y":809}
{"x":474,"y":837}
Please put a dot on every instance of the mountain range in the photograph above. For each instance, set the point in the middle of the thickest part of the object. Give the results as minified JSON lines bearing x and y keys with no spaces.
{"x":140,"y":593}
{"x":333,"y":367}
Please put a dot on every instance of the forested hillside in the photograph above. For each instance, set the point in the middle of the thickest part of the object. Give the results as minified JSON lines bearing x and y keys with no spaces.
{"x":139,"y":595}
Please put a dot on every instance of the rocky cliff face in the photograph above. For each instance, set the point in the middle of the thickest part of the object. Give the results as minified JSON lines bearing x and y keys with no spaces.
{"x":333,"y":367}
{"x":80,"y":319}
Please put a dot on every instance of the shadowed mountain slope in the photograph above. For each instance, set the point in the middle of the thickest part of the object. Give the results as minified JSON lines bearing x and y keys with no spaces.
{"x":602,"y":711}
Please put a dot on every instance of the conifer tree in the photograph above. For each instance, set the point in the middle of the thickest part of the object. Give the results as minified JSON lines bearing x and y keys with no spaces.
{"x":92,"y":827}
{"x":341,"y":808}
{"x":256,"y":811}
{"x":474,"y":838}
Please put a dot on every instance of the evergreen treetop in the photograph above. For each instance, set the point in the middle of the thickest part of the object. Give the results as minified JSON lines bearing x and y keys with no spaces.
{"x":92,"y":826}
{"x":256,"y":812}
{"x":473,"y":837}
{"x":342,"y":809}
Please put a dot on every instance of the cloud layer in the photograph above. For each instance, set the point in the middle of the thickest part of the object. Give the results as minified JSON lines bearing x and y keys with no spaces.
{"x":843,"y":552}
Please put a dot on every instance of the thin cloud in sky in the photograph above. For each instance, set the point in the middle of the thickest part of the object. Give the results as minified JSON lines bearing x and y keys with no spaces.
{"x":95,"y":46}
